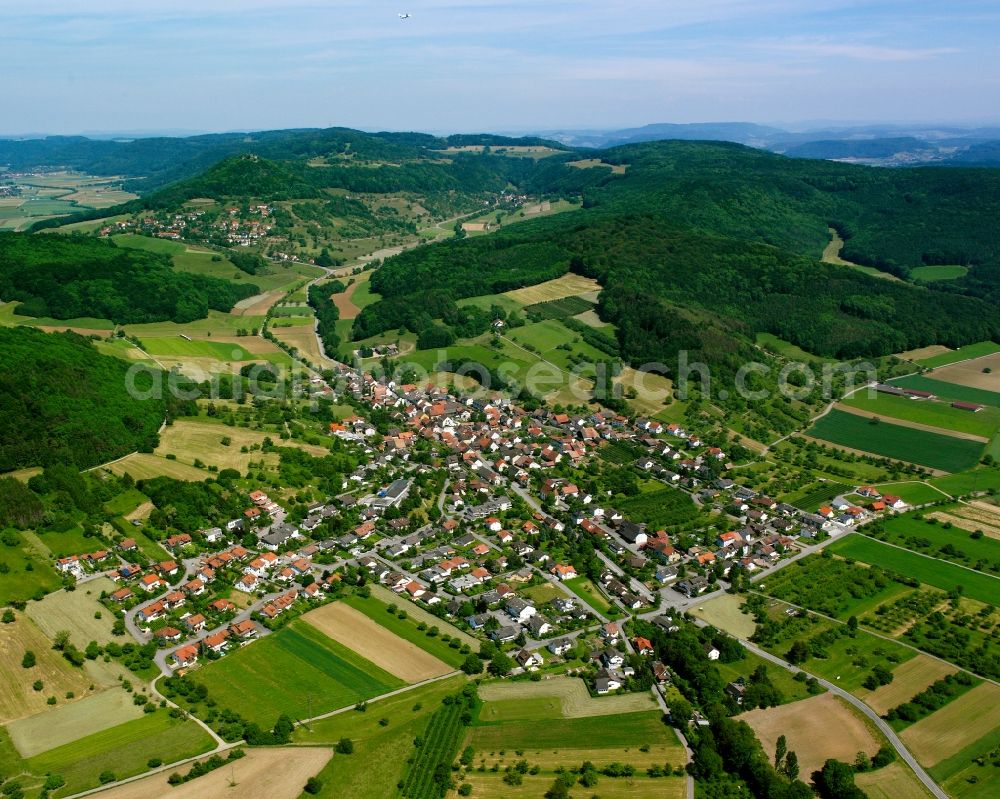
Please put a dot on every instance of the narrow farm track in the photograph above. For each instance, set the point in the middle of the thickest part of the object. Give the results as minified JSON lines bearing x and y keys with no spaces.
{"x":927,"y":428}
{"x":877,"y":720}
{"x":832,"y":404}
{"x":380,"y":697}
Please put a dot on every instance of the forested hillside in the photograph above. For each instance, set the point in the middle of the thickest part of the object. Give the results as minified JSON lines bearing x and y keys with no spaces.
{"x":70,"y":276}
{"x":893,"y":219}
{"x":61,"y":401}
{"x":734,"y":235}
{"x":649,"y":269}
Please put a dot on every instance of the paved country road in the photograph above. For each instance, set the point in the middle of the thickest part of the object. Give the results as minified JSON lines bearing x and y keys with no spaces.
{"x":879,"y":722}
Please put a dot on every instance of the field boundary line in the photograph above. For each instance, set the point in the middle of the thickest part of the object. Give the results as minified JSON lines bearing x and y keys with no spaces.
{"x":921,"y":554}
{"x":877,"y":634}
{"x":880,"y":723}
{"x":224,"y":747}
{"x":389,"y":695}
{"x":926,"y":428}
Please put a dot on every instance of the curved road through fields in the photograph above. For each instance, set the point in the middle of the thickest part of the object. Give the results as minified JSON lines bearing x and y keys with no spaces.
{"x":879,"y":722}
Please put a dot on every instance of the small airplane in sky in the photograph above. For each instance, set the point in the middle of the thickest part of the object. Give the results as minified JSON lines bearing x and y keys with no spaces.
{"x":404,"y":16}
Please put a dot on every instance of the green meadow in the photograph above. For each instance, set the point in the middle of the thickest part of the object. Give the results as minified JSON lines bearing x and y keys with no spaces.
{"x":894,"y":441}
{"x":297,"y":671}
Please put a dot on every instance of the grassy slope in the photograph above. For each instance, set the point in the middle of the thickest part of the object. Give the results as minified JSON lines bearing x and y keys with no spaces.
{"x":122,"y":750}
{"x":962,"y":354}
{"x":298,"y":671}
{"x":927,"y":570}
{"x":950,"y":391}
{"x":893,"y":441}
{"x":380,"y":751}
{"x":583,"y":733}
{"x":937,"y":414}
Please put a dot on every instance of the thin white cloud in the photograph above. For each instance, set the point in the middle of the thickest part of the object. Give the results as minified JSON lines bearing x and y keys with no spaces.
{"x":821,"y":48}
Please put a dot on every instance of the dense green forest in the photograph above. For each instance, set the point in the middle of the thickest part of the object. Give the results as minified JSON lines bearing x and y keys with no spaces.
{"x":70,"y":276}
{"x":664,"y":287}
{"x":61,"y":401}
{"x":700,"y":245}
{"x":894,"y":219}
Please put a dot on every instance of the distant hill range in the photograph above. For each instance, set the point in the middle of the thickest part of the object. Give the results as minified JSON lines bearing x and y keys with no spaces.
{"x":151,"y":163}
{"x":880,"y":145}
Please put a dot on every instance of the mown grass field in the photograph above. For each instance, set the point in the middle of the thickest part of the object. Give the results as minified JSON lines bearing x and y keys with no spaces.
{"x":955,"y":726}
{"x":178,"y":347}
{"x":938,"y":272}
{"x":70,"y":722}
{"x":17,"y":583}
{"x":75,"y":611}
{"x":126,"y":502}
{"x":8,"y":317}
{"x":566,"y":286}
{"x":786,"y":349}
{"x":638,"y":739}
{"x":962,"y":354}
{"x":588,"y":732}
{"x":542,"y":593}
{"x":981,"y":479}
{"x":894,"y":781}
{"x":950,"y":391}
{"x":380,"y":751}
{"x":589,"y":593}
{"x":122,"y":750}
{"x":201,"y":439}
{"x":144,"y":465}
{"x":216,"y":323}
{"x":199,"y":260}
{"x":17,"y":697}
{"x":406,"y":628}
{"x":909,"y":679}
{"x":554,"y":697}
{"x":912,"y":492}
{"x":724,"y":612}
{"x":63,"y":543}
{"x":930,"y":571}
{"x":894,"y":441}
{"x":487,"y":301}
{"x":298,"y":671}
{"x":936,"y":414}
{"x":969,"y":773}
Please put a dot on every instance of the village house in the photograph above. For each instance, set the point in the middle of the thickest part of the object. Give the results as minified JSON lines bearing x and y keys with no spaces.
{"x":185,"y":656}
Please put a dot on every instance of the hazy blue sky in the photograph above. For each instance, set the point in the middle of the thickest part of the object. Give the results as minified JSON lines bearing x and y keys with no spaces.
{"x":75,"y":65}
